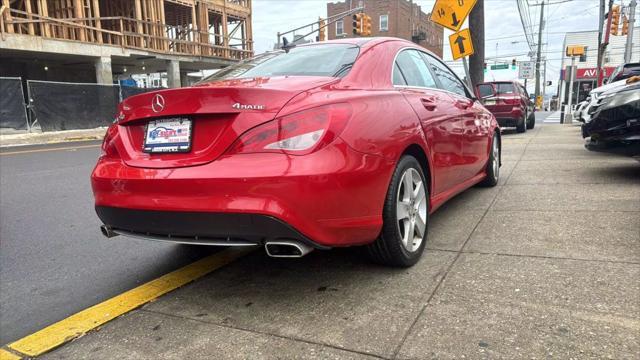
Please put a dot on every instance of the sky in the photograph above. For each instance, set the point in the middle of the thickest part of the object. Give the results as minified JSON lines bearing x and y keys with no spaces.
{"x":503,"y":29}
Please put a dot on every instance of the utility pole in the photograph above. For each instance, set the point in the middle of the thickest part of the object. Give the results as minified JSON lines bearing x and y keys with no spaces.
{"x":629,"y":46}
{"x":607,"y":32}
{"x":539,"y":55}
{"x":600,"y":45}
{"x":476,"y":26}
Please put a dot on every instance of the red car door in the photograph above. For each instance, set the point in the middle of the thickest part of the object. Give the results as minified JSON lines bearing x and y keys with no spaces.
{"x":438,"y":116}
{"x":475,"y":131}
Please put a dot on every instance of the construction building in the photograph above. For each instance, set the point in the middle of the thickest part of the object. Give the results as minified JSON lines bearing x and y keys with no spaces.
{"x":104,"y":40}
{"x":397,"y":18}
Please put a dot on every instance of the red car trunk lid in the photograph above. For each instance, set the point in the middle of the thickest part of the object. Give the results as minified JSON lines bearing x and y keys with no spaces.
{"x":220,"y":112}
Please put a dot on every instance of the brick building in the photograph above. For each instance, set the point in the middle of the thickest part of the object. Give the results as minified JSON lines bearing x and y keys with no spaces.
{"x":389,"y":18}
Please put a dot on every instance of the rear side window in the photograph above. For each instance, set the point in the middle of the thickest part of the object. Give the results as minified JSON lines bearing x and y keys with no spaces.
{"x":398,"y":79}
{"x":505,"y":88}
{"x":485,"y":90}
{"x":414,"y":70}
{"x":448,"y":80}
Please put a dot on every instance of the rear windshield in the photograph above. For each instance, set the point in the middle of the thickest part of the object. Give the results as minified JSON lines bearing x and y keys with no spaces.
{"x":485,"y":90}
{"x":333,"y":60}
{"x":505,"y":88}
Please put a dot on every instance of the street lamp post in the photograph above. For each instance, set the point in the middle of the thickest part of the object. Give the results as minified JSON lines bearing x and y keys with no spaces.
{"x":568,"y":116}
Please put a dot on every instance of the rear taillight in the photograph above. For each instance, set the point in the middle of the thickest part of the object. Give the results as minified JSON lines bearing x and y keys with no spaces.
{"x":108,"y":149}
{"x":512,"y":101}
{"x":296,"y":134}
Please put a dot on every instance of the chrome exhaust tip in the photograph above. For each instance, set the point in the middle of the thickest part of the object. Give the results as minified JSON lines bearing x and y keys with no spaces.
{"x":107,"y":231}
{"x":286,"y":249}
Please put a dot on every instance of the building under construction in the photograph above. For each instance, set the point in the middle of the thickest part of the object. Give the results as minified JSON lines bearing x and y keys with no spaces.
{"x":105,"y":40}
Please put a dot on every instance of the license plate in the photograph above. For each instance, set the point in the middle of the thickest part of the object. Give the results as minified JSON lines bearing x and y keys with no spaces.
{"x":168,"y":136}
{"x":489,"y":102}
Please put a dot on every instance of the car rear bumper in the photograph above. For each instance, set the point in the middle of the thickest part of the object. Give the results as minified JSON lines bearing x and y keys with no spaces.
{"x":199,"y":227}
{"x":333,"y":197}
{"x":510,"y":118}
{"x":508,"y":122}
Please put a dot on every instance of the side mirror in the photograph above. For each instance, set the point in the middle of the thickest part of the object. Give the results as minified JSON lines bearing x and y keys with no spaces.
{"x":605,"y":81}
{"x":490,"y":89}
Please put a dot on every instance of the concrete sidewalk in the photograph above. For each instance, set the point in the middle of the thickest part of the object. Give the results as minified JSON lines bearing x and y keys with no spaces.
{"x":546,"y":265}
{"x":21,"y":138}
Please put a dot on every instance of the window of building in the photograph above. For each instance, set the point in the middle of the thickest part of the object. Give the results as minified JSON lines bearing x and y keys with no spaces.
{"x":384,"y":22}
{"x":339,"y":27}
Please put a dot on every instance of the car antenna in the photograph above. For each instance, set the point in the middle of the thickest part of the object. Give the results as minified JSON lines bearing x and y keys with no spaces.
{"x":286,"y":46}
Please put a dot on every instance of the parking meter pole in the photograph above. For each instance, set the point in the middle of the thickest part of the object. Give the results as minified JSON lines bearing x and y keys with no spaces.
{"x":568,"y":116}
{"x":466,"y":72}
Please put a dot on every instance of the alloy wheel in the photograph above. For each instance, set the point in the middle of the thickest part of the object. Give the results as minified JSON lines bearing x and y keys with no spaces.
{"x":496,"y":158}
{"x":411,"y":209}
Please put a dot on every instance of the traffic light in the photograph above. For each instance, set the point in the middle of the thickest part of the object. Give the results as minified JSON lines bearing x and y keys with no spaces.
{"x":321,"y":30}
{"x":485,"y":67}
{"x":358,"y":24}
{"x":513,"y":64}
{"x":625,"y":25}
{"x":615,"y":19}
{"x":367,"y":25}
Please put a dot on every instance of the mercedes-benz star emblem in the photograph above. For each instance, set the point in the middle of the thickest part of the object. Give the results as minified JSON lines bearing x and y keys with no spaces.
{"x":157,"y":104}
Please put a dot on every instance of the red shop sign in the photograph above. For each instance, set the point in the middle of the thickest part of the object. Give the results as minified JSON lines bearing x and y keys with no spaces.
{"x":591,"y":73}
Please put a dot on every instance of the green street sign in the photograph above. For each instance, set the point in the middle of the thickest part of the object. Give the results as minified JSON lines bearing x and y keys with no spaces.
{"x":500,"y":67}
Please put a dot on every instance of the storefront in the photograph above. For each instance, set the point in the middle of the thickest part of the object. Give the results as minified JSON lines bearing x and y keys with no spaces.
{"x":584,"y":81}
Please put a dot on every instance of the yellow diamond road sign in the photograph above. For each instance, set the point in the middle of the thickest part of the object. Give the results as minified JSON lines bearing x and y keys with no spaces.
{"x":461,"y":44}
{"x":451,"y":13}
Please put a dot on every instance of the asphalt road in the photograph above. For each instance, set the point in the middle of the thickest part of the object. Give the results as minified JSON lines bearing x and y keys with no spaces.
{"x":53,"y":259}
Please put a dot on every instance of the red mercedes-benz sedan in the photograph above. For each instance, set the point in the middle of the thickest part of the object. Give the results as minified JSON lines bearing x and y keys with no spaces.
{"x":338,"y":143}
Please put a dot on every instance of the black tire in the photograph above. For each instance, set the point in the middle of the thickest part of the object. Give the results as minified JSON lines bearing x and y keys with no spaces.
{"x":388,"y":248}
{"x":493,"y":170}
{"x":521,"y":126}
{"x":531,"y":121}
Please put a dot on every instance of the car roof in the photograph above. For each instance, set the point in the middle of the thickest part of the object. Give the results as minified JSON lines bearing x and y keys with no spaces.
{"x":367,"y":42}
{"x":500,"y":82}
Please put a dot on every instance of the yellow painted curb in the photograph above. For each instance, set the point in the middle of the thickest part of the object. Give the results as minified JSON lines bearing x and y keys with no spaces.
{"x":78,"y":324}
{"x":5,"y":355}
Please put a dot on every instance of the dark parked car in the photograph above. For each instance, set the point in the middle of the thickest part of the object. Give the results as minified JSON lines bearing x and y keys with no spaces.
{"x":615,"y":121}
{"x":509,"y":102}
{"x":624,"y":71}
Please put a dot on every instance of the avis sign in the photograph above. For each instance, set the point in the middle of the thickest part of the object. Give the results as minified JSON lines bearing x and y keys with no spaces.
{"x":451,"y":13}
{"x":592,"y":73}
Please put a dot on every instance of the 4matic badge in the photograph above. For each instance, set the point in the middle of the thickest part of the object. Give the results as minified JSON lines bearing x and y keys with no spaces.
{"x":247,"y":106}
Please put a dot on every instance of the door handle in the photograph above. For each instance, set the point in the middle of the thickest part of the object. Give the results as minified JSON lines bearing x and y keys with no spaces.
{"x":429,"y":102}
{"x":462,"y":104}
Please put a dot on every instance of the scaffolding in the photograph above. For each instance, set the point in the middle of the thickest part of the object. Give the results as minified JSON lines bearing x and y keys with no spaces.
{"x":209,"y":28}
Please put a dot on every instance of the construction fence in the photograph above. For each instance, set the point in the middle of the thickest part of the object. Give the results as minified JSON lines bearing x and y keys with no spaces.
{"x":55,"y":106}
